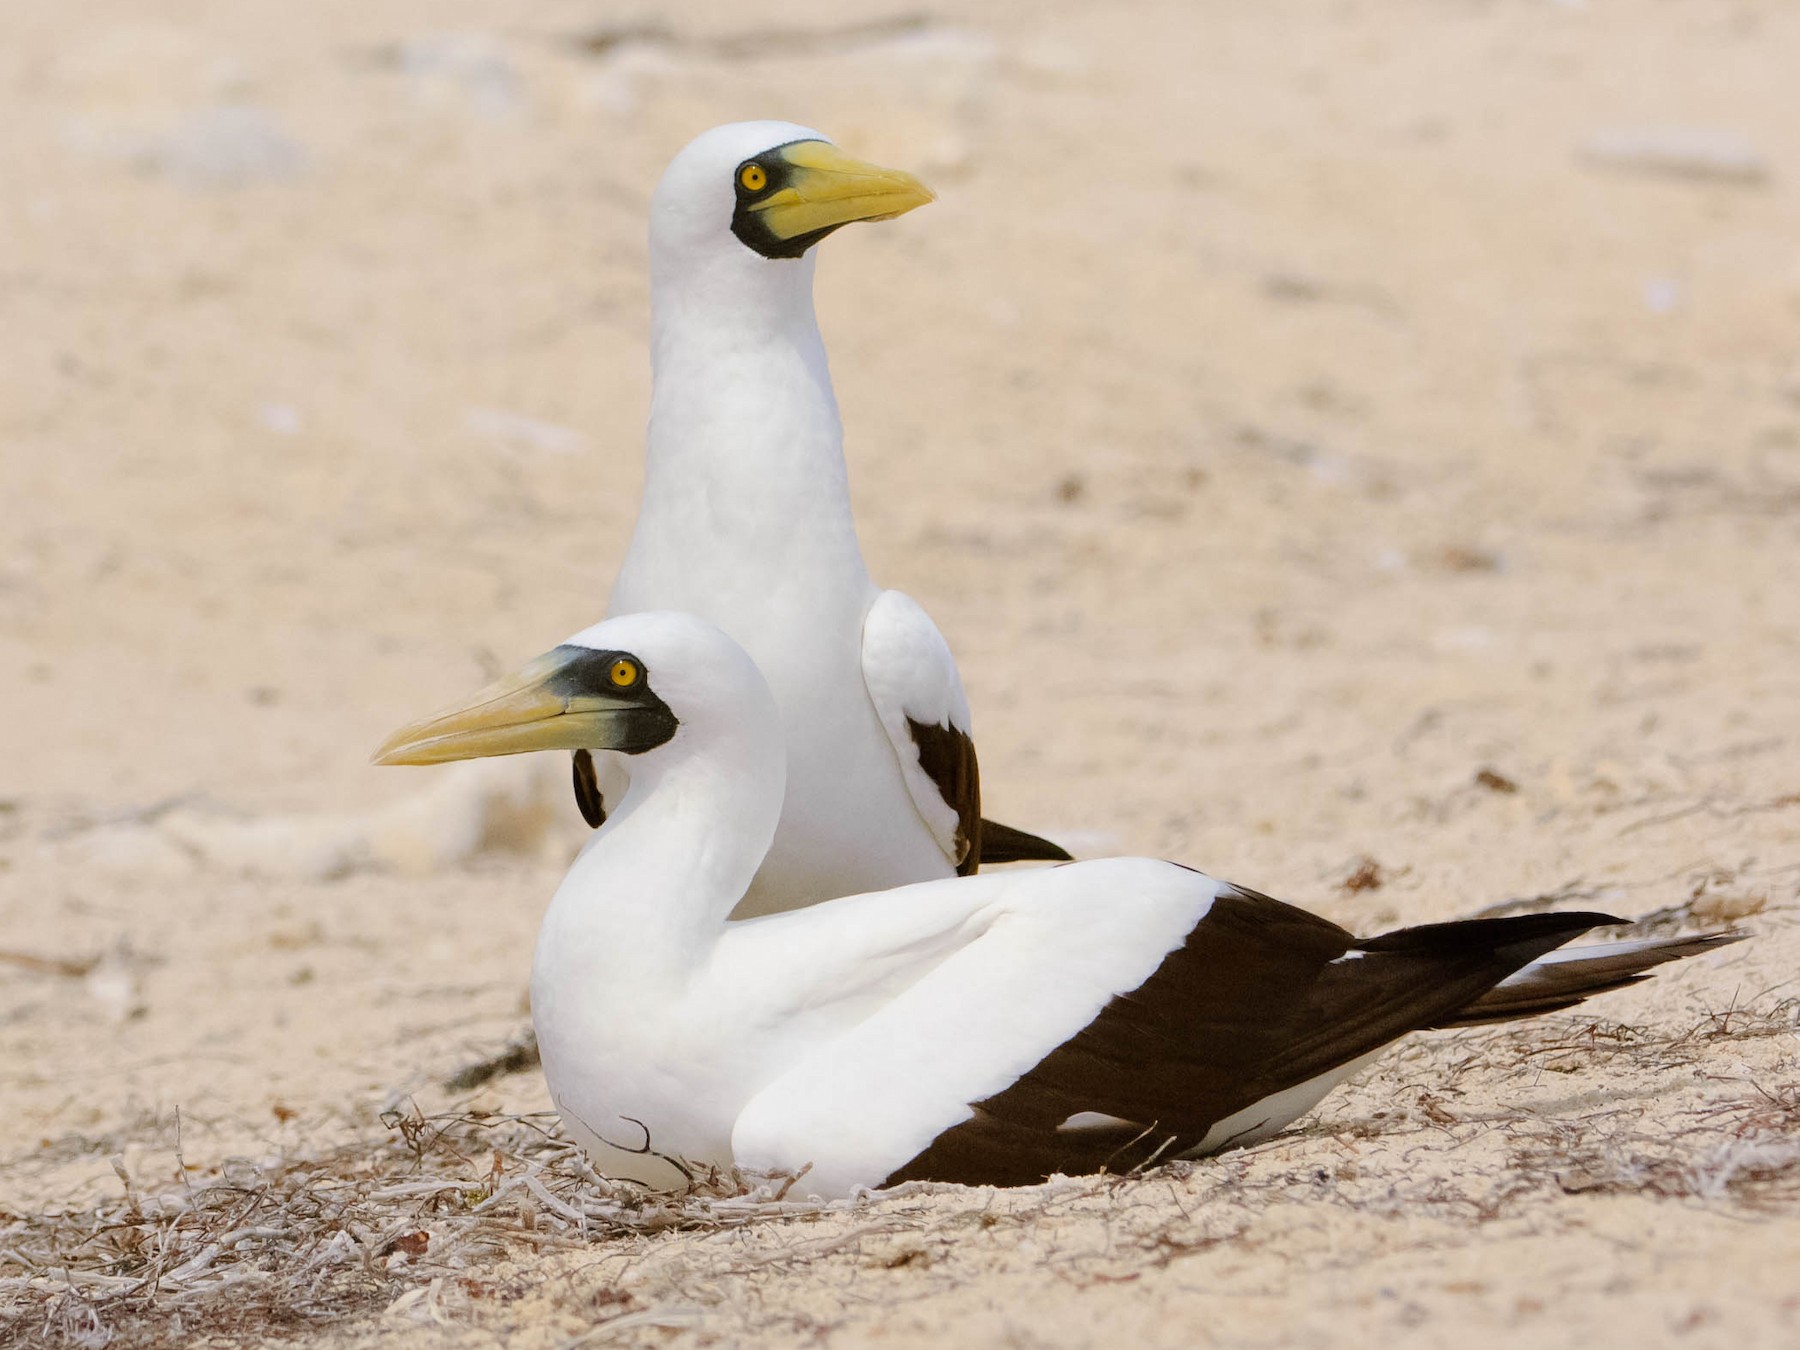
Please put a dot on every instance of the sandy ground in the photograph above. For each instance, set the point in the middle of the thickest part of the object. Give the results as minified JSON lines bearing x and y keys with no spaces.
{"x":1352,"y":448}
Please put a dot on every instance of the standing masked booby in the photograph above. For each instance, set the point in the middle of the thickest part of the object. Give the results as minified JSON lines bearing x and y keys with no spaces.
{"x":986,"y":1029}
{"x":746,"y":521}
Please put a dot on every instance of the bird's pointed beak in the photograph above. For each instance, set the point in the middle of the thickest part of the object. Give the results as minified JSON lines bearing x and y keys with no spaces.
{"x":825,"y":188}
{"x":570,"y":698}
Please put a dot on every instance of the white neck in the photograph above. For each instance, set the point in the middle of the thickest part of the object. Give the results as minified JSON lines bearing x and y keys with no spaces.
{"x":649,"y":896}
{"x":744,"y":443}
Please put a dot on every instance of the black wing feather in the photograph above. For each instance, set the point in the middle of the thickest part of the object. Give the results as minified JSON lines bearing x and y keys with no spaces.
{"x":587,"y":790}
{"x":1256,"y":1000}
{"x":948,"y":757}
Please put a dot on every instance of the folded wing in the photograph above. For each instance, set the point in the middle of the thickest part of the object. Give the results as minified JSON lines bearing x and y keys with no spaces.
{"x":1186,"y":1015}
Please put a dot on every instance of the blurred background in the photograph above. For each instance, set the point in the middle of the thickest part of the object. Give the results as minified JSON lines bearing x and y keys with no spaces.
{"x":1352,"y":447}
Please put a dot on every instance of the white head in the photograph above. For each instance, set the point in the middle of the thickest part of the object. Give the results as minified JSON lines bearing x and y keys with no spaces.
{"x":738,"y":210}
{"x":656,"y":686}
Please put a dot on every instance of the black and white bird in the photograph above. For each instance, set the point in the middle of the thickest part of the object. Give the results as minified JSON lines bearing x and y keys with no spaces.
{"x":996,"y":1028}
{"x":746,"y":521}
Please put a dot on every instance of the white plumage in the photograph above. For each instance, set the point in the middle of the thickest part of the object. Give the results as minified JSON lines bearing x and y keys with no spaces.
{"x":996,"y":1028}
{"x":746,"y":515}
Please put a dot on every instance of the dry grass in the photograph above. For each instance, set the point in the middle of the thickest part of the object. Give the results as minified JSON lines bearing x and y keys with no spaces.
{"x":436,"y":1211}
{"x":1747,"y":1152}
{"x":276,"y":1246}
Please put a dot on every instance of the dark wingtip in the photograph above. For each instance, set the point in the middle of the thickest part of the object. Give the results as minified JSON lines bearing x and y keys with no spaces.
{"x":587,"y":790}
{"x":1551,"y":929}
{"x":1003,"y":844}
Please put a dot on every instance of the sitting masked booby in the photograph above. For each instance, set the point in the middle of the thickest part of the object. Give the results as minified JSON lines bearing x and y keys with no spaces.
{"x":994,"y":1029}
{"x":746,"y":521}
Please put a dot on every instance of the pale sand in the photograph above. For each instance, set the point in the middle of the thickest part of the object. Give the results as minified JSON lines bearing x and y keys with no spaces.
{"x":1288,"y":412}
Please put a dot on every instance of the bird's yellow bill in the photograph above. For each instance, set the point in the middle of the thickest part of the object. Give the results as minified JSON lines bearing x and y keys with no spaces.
{"x":539,"y":708}
{"x":828,"y":188}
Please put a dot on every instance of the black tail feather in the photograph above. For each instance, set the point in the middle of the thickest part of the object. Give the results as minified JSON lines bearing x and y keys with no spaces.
{"x":1575,"y":974}
{"x":1003,"y":844}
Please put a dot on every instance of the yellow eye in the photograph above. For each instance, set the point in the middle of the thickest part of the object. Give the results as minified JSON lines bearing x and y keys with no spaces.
{"x":624,"y":673}
{"x":753,"y":177}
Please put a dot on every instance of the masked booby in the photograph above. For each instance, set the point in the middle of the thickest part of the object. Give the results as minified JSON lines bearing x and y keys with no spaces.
{"x":992,"y":1029}
{"x":746,"y":521}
